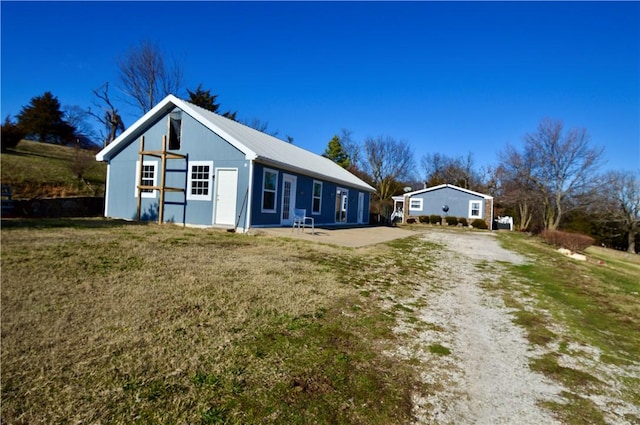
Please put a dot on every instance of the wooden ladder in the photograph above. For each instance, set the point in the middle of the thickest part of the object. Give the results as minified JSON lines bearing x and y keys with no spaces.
{"x":163,"y":188}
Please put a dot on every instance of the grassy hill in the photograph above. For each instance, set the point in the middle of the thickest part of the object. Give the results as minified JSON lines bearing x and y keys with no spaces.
{"x":36,"y":169}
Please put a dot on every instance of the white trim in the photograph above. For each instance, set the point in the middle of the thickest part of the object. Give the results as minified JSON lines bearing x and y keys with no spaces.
{"x":418,"y":208}
{"x":215,"y":217}
{"x":293,"y":180}
{"x":165,"y":106}
{"x":442,"y":186}
{"x":474,"y":201}
{"x":254,"y":144}
{"x":344,"y":204}
{"x":275,"y":191}
{"x":190,"y":195}
{"x":313,"y":196}
{"x":153,"y":193}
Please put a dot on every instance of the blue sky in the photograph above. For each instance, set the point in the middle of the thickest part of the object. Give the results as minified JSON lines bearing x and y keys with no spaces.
{"x":447,"y":77}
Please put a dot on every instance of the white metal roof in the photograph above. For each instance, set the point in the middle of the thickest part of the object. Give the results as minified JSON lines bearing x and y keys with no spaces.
{"x":432,"y":188}
{"x":256,"y":146}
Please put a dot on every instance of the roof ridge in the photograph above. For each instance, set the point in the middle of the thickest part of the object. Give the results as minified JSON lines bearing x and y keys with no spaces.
{"x":205,"y":110}
{"x":254,"y":144}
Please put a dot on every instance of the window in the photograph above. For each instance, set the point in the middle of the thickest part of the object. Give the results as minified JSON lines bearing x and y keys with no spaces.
{"x":317,"y":197}
{"x":199,"y":185}
{"x":149,"y":178}
{"x":175,"y":130}
{"x":415,"y":204}
{"x":269,"y":184}
{"x":475,"y":209}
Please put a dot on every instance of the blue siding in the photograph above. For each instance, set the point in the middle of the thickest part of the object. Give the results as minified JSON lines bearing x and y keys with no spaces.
{"x":199,"y":144}
{"x":456,"y":200}
{"x":304,"y":199}
{"x":257,"y":216}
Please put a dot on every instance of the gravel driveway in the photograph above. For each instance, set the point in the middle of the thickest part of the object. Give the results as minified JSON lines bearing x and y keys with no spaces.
{"x":485,"y":379}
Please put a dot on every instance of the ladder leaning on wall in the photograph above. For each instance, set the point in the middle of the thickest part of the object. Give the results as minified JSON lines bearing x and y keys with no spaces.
{"x":163,"y":155}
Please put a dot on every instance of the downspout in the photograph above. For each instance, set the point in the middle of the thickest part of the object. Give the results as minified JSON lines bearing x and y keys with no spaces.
{"x":250,"y":197}
{"x":106,"y":189}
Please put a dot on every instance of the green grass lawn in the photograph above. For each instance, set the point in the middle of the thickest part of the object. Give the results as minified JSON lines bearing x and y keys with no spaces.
{"x":588,"y":311}
{"x":44,"y":170}
{"x":109,"y":322}
{"x":106,"y":322}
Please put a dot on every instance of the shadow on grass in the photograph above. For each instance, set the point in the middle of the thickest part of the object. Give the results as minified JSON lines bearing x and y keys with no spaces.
{"x":52,"y":223}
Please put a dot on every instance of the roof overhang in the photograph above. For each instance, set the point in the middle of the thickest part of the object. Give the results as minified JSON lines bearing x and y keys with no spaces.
{"x":442,"y":186}
{"x":167,"y":104}
{"x":171,"y":102}
{"x":289,"y":167}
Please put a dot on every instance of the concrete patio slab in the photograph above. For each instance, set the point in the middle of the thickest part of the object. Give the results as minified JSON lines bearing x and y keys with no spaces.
{"x":345,"y":236}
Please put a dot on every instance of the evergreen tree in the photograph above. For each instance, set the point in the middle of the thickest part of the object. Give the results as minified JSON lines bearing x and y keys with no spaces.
{"x":43,"y":118}
{"x":336,"y":152}
{"x":204,"y":99}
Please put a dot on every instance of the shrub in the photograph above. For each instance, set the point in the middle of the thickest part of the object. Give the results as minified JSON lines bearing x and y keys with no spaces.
{"x":423,"y":219}
{"x":574,"y":242}
{"x":11,"y":135}
{"x":451,"y":221}
{"x":435,"y":219}
{"x":479,"y":223}
{"x":463,"y":221}
{"x":411,"y":220}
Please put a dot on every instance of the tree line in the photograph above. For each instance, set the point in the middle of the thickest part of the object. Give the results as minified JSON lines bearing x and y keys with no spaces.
{"x":551,"y":181}
{"x":146,"y":76}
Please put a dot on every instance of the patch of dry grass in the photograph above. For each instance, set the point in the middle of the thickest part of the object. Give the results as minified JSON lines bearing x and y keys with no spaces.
{"x":124,"y":323}
{"x":621,"y":261}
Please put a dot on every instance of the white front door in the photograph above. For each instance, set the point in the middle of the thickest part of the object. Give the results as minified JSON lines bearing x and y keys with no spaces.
{"x":226,"y":196}
{"x":360,"y":207}
{"x":288,"y":199}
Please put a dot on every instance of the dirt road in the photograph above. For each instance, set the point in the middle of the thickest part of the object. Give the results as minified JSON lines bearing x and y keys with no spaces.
{"x":475,"y":359}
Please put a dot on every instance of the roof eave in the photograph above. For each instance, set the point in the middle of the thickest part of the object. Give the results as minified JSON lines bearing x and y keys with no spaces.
{"x":161,"y":108}
{"x":155,"y":112}
{"x":289,"y":167}
{"x":441,"y":186}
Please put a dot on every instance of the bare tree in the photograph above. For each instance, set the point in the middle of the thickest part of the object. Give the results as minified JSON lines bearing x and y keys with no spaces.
{"x":350,"y":147}
{"x":262,"y":126}
{"x":145,"y":76}
{"x":516,"y":188}
{"x":77,"y":117}
{"x":109,"y":116}
{"x":442,"y":169}
{"x":388,"y":162}
{"x":621,"y":203}
{"x":560,"y":166}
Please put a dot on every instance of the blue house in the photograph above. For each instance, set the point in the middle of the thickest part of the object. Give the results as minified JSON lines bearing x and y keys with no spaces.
{"x":184,"y":164}
{"x":445,"y":200}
